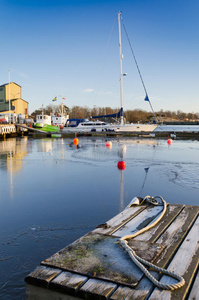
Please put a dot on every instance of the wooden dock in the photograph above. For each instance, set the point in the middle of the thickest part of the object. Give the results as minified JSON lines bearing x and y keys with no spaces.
{"x":7,"y":129}
{"x":97,"y":267}
{"x":36,"y":133}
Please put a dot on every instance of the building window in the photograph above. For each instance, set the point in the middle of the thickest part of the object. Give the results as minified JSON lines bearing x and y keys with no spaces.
{"x":25,"y":111}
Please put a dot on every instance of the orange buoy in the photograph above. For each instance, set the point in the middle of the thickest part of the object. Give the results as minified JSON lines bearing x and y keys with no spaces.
{"x":169,"y":141}
{"x":75,"y":141}
{"x":109,"y":144}
{"x":121,"y":165}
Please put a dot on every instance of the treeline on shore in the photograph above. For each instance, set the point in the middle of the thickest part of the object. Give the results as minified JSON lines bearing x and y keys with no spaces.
{"x":130,"y":116}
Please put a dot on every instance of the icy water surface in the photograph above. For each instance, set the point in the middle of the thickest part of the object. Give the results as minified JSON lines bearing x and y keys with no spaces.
{"x":53,"y":192}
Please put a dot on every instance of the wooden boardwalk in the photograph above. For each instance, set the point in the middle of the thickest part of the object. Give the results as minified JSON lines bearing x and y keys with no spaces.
{"x":97,"y":267}
{"x":7,"y":129}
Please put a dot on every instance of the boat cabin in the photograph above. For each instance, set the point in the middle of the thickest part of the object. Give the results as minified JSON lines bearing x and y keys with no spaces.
{"x":43,"y":119}
{"x":75,"y":122}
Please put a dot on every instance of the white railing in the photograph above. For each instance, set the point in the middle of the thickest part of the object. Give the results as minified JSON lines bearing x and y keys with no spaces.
{"x":7,"y":128}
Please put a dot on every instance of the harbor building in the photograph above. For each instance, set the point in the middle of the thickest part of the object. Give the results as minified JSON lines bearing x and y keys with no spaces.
{"x":18,"y":105}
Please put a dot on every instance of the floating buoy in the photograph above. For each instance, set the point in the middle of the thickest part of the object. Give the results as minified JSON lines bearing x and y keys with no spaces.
{"x":121,"y":165}
{"x":109,"y":144}
{"x":75,"y":141}
{"x":169,"y":141}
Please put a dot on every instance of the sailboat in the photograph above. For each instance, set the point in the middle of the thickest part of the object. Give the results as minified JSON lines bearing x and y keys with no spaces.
{"x":87,"y":125}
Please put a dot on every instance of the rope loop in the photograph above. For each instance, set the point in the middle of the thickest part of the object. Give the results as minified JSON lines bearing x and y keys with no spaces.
{"x":153,"y":200}
{"x":141,"y":262}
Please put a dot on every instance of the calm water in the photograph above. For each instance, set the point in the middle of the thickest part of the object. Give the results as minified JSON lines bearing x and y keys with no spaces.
{"x":52,"y":192}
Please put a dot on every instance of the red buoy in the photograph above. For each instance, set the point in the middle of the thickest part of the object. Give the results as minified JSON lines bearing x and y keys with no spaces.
{"x":169,"y":141}
{"x":121,"y":165}
{"x":75,"y":141}
{"x":109,"y":144}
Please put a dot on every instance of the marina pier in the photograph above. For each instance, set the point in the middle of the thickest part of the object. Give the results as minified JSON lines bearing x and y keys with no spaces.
{"x":9,"y":130}
{"x":96,"y":266}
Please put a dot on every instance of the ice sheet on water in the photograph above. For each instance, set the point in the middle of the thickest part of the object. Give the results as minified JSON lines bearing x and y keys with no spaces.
{"x":183,"y":174}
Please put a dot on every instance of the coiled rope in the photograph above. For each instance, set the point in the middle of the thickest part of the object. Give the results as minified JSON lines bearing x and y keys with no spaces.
{"x":141,"y":262}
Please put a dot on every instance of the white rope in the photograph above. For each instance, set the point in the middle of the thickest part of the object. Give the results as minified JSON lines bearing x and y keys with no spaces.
{"x":141,"y":262}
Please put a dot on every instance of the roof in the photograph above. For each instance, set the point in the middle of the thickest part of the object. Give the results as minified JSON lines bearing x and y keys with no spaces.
{"x":16,"y":99}
{"x":8,"y":83}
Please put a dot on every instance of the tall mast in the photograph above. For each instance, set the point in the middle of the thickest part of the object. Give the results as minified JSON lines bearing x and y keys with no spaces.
{"x":121,"y":57}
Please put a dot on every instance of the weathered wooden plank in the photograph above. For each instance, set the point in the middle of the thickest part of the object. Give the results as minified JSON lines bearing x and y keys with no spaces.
{"x":121,"y":293}
{"x":153,"y":234}
{"x":42,"y":276}
{"x":194,"y":294}
{"x":68,"y":282}
{"x":139,"y":222}
{"x":182,"y":263}
{"x":97,"y":289}
{"x":39,"y":293}
{"x":176,"y":232}
{"x":119,"y":220}
{"x":145,"y":286}
{"x":188,"y":277}
{"x":172,"y":237}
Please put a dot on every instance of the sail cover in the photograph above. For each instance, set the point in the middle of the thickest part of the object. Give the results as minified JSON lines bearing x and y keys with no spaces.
{"x":116,"y":115}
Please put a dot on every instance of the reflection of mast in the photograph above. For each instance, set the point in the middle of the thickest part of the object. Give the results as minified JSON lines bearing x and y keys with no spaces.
{"x":146,"y":170}
{"x":11,"y":177}
{"x":122,"y":150}
{"x":121,"y":191}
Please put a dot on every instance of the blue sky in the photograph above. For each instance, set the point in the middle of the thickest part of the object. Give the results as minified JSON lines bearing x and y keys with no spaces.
{"x":70,"y":48}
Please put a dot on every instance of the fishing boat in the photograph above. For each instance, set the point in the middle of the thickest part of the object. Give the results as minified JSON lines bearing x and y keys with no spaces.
{"x":43,"y":123}
{"x":46,"y":127}
{"x":120,"y":127}
{"x":58,"y":120}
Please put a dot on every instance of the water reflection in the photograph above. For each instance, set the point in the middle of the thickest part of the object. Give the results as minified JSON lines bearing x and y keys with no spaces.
{"x":60,"y":192}
{"x":146,"y":172}
{"x":45,"y":146}
{"x":12,"y":154}
{"x":122,"y":151}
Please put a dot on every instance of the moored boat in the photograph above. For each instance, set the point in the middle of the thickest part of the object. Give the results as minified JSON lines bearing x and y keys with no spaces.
{"x":43,"y":123}
{"x":46,"y":127}
{"x":84,"y":125}
{"x":59,"y":121}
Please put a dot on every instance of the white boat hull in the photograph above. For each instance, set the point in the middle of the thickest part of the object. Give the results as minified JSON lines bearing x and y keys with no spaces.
{"x":117,"y":128}
{"x":135,"y":127}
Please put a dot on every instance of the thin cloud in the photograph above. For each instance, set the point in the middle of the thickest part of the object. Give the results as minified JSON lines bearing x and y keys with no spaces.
{"x":23,"y":75}
{"x":88,"y":90}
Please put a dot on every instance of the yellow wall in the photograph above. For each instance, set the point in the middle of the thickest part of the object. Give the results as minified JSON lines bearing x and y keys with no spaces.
{"x":21,"y":107}
{"x":15,"y":91}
